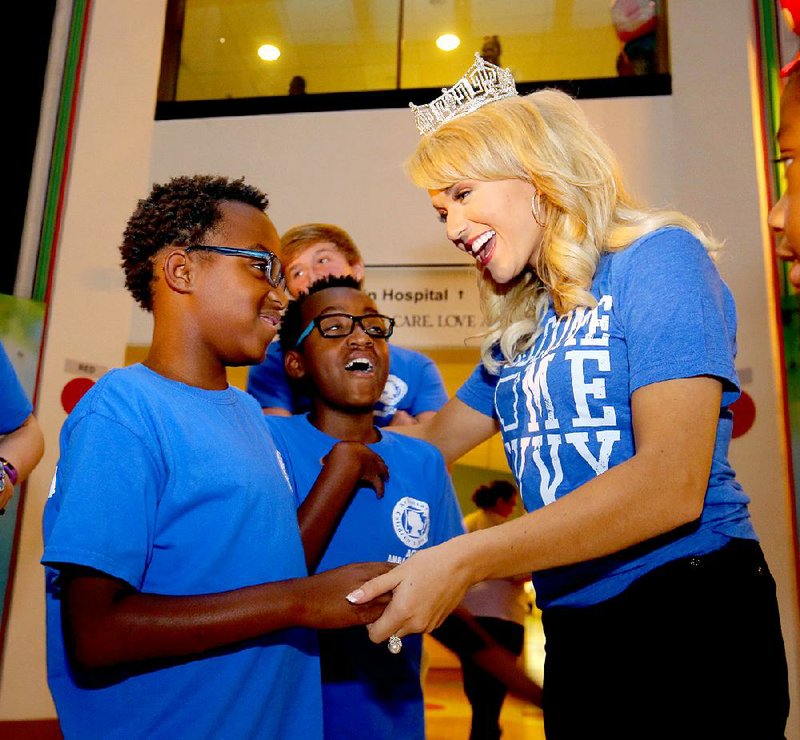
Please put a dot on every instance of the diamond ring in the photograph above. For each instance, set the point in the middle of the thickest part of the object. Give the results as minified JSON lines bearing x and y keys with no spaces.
{"x":395,"y":644}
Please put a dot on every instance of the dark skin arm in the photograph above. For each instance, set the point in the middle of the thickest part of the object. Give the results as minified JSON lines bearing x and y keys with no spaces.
{"x":108,"y":623}
{"x":344,"y":469}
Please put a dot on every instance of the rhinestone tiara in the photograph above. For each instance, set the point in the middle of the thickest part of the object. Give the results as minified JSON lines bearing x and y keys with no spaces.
{"x":483,"y":83}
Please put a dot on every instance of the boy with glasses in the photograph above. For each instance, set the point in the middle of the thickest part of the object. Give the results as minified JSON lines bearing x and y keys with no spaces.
{"x":336,"y":347}
{"x":414,"y":389}
{"x":176,"y":571}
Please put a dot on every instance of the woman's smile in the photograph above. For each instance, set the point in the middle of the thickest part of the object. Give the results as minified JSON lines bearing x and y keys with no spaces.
{"x":492,"y":221}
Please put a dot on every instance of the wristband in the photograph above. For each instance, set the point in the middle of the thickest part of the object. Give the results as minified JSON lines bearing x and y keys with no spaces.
{"x":10,"y":471}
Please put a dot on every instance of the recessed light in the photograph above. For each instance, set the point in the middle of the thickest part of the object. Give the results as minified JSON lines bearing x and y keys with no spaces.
{"x":448,"y":42}
{"x":268,"y":52}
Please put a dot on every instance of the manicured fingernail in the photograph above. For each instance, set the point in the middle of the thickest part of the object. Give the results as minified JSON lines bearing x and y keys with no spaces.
{"x":354,"y":597}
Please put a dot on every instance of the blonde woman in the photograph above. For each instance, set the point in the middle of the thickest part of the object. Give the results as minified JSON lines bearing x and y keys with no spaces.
{"x":608,"y":368}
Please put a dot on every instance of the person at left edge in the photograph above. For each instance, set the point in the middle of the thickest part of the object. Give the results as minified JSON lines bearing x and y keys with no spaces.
{"x":176,"y":575}
{"x":21,"y":438}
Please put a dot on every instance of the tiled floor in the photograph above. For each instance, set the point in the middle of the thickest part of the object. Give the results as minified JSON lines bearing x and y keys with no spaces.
{"x":447,"y":711}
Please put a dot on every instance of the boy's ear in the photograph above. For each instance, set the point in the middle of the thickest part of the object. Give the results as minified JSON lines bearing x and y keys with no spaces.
{"x":179,"y":271}
{"x":358,"y":271}
{"x":293,"y":364}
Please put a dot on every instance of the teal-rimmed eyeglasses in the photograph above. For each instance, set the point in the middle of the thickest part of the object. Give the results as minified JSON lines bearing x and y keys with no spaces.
{"x":269,"y":263}
{"x":337,"y":325}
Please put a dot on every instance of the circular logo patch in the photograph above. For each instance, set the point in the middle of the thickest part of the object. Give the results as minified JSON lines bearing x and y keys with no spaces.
{"x":412,"y":521}
{"x":393,"y":392}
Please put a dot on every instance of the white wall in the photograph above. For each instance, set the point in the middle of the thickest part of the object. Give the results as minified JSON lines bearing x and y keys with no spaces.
{"x":696,"y":149}
{"x":347,"y":168}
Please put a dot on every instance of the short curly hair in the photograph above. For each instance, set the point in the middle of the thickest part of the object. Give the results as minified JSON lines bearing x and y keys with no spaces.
{"x":292,"y":320}
{"x":179,"y":212}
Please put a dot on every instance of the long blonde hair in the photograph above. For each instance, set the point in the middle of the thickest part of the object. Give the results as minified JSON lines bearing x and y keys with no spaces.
{"x":542,"y":138}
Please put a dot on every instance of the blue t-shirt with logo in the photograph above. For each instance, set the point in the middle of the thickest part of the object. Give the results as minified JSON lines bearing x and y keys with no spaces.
{"x":178,"y":490}
{"x":368,"y":692}
{"x":564,"y":405}
{"x":414,"y":385}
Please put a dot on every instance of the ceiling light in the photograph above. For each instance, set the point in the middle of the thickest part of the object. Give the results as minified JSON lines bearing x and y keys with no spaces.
{"x":448,"y":42}
{"x":268,"y":52}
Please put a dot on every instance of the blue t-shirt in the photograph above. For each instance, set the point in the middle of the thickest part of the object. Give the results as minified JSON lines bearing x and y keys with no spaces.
{"x":178,"y":490}
{"x":414,"y":385}
{"x":368,"y":692}
{"x":15,"y":407}
{"x":564,"y":410}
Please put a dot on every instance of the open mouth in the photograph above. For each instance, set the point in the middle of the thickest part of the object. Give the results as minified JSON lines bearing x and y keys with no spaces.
{"x":482,"y":247}
{"x":359,"y":365}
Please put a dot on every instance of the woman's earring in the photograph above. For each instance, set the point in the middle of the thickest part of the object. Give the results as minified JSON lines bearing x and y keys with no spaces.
{"x":538,"y":208}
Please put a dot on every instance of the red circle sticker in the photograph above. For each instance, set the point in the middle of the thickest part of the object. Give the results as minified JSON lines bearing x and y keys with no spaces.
{"x":73,"y":392}
{"x":744,"y":414}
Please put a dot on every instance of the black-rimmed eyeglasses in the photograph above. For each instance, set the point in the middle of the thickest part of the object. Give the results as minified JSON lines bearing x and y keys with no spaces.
{"x":268,"y":262}
{"x":336,"y":325}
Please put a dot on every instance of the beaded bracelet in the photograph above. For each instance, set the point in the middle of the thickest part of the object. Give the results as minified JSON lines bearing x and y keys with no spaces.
{"x":10,"y":471}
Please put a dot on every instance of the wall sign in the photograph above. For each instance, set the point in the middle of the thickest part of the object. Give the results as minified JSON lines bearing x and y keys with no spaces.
{"x":433,"y":305}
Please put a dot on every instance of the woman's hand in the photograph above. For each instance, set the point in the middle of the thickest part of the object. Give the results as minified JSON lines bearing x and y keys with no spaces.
{"x":402,"y":419}
{"x":425,"y":589}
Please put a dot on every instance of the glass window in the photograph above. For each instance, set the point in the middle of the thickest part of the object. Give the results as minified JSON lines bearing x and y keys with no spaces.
{"x":218,"y":49}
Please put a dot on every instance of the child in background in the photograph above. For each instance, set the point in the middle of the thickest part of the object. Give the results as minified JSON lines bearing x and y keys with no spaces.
{"x":176,"y":583}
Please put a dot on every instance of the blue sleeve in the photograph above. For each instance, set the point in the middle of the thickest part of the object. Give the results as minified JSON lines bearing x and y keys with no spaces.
{"x":478,"y":391}
{"x":431,"y":394}
{"x":102,"y":513}
{"x":15,"y":407}
{"x":268,"y":382}
{"x":678,"y":316}
{"x":449,"y":519}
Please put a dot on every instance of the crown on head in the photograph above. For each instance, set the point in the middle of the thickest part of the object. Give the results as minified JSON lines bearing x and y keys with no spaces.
{"x":483,"y":83}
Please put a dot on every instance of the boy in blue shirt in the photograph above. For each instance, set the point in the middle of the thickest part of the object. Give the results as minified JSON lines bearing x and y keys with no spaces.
{"x":335,"y":344}
{"x":176,"y":588}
